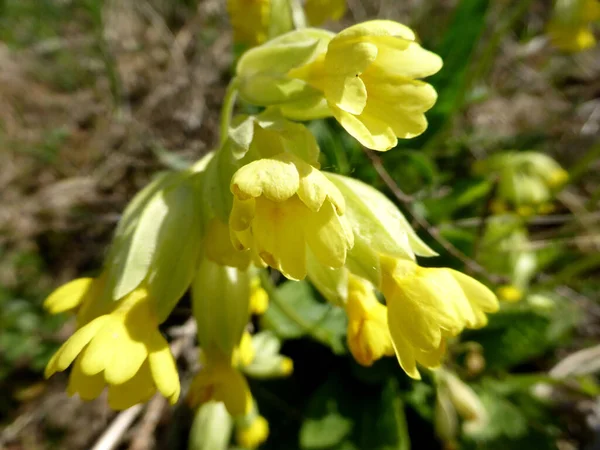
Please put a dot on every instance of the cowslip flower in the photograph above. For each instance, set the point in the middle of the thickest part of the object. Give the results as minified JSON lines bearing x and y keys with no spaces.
{"x":123,"y":350}
{"x":282,"y":207}
{"x":319,"y":11}
{"x":367,"y":77}
{"x":368,"y":335}
{"x":570,"y":27}
{"x":428,"y":305}
{"x":527,"y":180}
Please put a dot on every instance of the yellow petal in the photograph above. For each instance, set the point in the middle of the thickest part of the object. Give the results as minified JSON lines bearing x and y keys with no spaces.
{"x":68,"y":296}
{"x":408,"y":59}
{"x":329,"y":236}
{"x":404,"y":350}
{"x":476,"y":292}
{"x":74,"y":345}
{"x":99,"y":354}
{"x":315,"y":188}
{"x":276,"y":179}
{"x":163,"y":368}
{"x":377,"y":28}
{"x":88,"y":387}
{"x":126,"y":361}
{"x":138,"y":389}
{"x":370,"y":132}
{"x":241,"y":215}
{"x":279,"y":237}
{"x":349,"y":58}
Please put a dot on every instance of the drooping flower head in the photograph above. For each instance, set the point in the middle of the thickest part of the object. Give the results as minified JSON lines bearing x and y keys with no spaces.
{"x":527,"y":180}
{"x":428,"y":305}
{"x":284,"y":207}
{"x":367,"y":77}
{"x":123,"y":350}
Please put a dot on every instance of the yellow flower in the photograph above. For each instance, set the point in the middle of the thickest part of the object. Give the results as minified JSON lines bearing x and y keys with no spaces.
{"x":122,"y":349}
{"x":284,"y":207}
{"x":319,"y":11}
{"x":259,"y":299}
{"x":221,"y":382}
{"x":250,"y":20}
{"x":428,"y":305}
{"x":526,"y":180}
{"x":569,"y":28}
{"x":369,"y":77}
{"x":250,"y":434}
{"x":509,"y":293}
{"x":368,"y":335}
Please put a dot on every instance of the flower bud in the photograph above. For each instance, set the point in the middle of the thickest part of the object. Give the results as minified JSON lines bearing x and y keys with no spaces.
{"x":220,"y":300}
{"x":252,"y":431}
{"x":368,"y":334}
{"x":268,"y":362}
{"x":445,"y":419}
{"x":212,"y":427}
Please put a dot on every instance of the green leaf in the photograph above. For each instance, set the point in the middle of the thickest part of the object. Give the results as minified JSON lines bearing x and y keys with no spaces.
{"x":175,"y":258}
{"x":371,"y":418}
{"x":295,"y":312}
{"x":132,"y":252}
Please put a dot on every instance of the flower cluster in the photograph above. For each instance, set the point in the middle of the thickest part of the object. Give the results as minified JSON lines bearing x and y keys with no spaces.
{"x":526,"y":181}
{"x":261,"y":200}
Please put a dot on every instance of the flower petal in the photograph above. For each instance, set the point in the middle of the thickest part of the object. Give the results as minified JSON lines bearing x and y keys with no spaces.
{"x":329,"y":236}
{"x":369,"y":131}
{"x":88,"y":387}
{"x":74,"y":345}
{"x":68,"y":296}
{"x":275,"y":178}
{"x":347,"y":93}
{"x":163,"y":368}
{"x":138,"y":389}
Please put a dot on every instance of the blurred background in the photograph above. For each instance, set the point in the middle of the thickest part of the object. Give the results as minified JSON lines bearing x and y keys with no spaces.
{"x":97,"y":96}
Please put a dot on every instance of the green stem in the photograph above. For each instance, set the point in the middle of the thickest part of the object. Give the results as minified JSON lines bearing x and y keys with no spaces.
{"x":227,"y":109}
{"x":298,"y":15}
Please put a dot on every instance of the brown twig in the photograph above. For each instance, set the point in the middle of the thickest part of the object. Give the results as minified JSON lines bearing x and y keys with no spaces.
{"x":406,"y":200}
